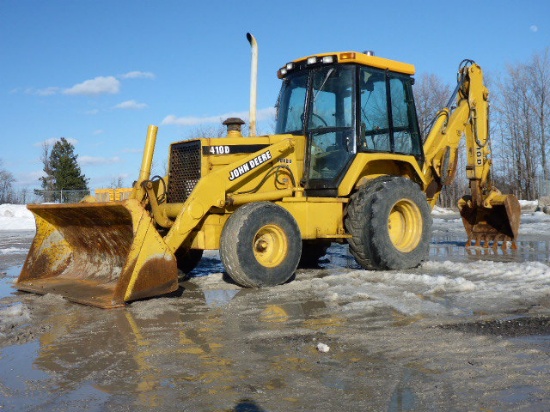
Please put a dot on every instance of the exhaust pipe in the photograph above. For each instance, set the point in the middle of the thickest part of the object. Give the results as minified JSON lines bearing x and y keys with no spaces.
{"x":253,"y":82}
{"x":138,"y":192}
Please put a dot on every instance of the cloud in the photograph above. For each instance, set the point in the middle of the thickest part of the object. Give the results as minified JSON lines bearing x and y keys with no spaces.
{"x":130,"y":105}
{"x":534,"y":28}
{"x":138,"y":75}
{"x":94,"y":161}
{"x":95,"y":86}
{"x":51,"y":141}
{"x":48,"y":91}
{"x":98,"y":132}
{"x":262,"y":114}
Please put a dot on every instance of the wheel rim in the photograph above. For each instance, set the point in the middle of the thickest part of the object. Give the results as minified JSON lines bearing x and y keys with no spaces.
{"x":405,"y":225}
{"x":270,"y":246}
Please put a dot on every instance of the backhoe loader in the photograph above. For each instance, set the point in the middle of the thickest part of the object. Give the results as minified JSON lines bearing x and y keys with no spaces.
{"x":346,"y":164}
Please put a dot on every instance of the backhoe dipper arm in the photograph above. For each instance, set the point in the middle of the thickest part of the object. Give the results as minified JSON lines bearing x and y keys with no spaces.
{"x":468,"y":119}
{"x":487,"y":214}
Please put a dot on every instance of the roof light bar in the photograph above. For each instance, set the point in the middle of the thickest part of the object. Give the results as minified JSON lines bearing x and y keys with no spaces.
{"x":311,"y":60}
{"x":347,"y":56}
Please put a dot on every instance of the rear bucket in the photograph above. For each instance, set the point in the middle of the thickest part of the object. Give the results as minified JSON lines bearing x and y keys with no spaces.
{"x":98,"y":254}
{"x":491,"y":225}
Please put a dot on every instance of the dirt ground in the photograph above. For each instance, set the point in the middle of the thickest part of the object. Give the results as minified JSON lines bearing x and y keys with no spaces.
{"x":336,"y":338}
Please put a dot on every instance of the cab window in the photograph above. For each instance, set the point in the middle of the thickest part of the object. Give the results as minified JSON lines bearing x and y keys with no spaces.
{"x":291,"y":104}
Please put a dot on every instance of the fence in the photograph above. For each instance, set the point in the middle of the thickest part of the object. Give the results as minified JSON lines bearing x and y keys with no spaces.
{"x":61,"y":196}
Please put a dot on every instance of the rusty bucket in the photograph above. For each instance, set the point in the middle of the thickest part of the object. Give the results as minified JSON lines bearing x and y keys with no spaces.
{"x":99,"y":254}
{"x":494,"y":222}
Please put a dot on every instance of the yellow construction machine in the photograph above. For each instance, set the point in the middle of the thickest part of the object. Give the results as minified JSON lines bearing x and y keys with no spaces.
{"x":346,"y":164}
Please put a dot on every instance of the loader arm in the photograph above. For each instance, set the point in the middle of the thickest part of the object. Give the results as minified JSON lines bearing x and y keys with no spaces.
{"x":212,"y":190}
{"x":487,"y":214}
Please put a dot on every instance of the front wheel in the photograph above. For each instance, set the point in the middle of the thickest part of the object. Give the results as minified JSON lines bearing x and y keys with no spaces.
{"x":390,"y":224}
{"x":260,"y":245}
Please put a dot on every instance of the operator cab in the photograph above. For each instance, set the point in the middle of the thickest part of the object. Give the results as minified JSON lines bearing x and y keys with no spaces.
{"x":347,"y":103}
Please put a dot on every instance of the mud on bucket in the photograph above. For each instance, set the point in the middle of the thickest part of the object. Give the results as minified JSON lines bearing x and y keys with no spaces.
{"x":494,"y":224}
{"x":99,"y":254}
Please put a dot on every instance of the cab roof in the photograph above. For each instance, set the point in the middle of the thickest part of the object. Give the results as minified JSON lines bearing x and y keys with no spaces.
{"x":347,"y":58}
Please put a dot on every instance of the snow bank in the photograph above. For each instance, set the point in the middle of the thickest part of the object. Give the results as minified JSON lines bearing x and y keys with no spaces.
{"x":16,"y":217}
{"x":442,"y":211}
{"x":529,"y":205}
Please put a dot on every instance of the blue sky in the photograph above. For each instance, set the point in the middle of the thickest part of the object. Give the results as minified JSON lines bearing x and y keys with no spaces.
{"x":98,"y":72}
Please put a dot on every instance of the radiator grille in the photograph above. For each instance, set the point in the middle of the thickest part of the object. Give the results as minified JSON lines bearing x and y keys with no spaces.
{"x":185,"y":170}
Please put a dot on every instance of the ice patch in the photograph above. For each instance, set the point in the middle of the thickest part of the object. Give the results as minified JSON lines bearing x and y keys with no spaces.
{"x":437,"y":288}
{"x":151,"y":309}
{"x":12,"y":316}
{"x":13,"y":251}
{"x":443,"y":211}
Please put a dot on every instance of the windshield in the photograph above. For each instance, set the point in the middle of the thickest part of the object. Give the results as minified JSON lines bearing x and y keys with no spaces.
{"x":291,"y":104}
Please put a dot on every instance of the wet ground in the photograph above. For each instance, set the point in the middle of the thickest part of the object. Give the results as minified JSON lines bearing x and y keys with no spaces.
{"x":468,"y":330}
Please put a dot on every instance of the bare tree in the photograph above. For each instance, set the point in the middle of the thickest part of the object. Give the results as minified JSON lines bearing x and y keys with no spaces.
{"x":522,"y":108}
{"x":48,"y":182}
{"x":431,"y":95}
{"x":539,"y":73}
{"x":6,"y":189}
{"x":117,"y":183}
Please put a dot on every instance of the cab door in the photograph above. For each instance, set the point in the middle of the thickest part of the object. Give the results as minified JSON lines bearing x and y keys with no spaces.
{"x":330,"y":128}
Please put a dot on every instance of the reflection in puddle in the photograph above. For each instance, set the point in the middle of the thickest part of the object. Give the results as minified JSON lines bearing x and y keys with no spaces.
{"x":7,"y":278}
{"x":216,"y":298}
{"x":453,"y":248}
{"x":18,"y":377}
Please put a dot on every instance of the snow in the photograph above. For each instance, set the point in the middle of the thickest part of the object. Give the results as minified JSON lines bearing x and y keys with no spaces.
{"x":12,"y":315}
{"x":437,"y":211}
{"x":16,"y":217}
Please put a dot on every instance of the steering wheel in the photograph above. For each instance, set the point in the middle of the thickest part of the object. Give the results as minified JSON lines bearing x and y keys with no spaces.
{"x":320,"y":118}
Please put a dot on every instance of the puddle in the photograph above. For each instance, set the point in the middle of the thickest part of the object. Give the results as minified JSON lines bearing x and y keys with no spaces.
{"x":515,"y":327}
{"x":8,"y":278}
{"x":16,"y":363}
{"x":24,"y":385}
{"x":454,"y":248}
{"x":217,"y":298}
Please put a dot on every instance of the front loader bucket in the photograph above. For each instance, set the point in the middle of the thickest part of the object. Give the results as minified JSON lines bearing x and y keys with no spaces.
{"x":99,"y":254}
{"x":494,"y":224}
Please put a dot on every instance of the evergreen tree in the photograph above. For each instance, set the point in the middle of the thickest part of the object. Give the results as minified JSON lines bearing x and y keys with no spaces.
{"x":62,"y":169}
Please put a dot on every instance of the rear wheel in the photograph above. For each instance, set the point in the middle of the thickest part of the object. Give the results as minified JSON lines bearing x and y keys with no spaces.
{"x":390,"y":224}
{"x":260,"y":245}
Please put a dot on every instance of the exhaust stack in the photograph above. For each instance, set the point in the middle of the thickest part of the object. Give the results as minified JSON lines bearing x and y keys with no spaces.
{"x":253,"y":82}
